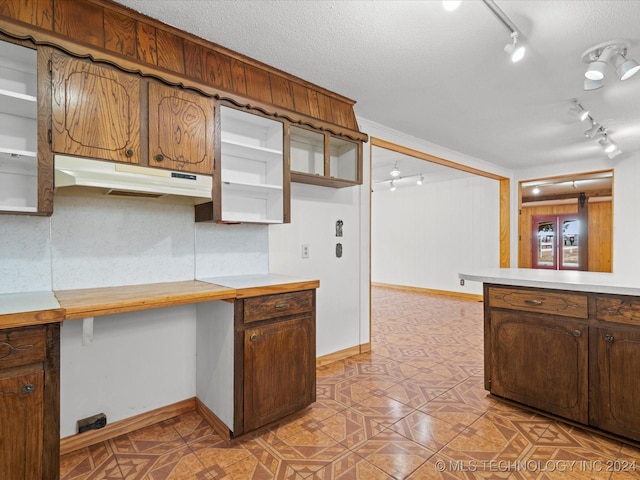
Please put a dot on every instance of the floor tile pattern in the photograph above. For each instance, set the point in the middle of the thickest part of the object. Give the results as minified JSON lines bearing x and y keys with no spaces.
{"x":413,"y":408}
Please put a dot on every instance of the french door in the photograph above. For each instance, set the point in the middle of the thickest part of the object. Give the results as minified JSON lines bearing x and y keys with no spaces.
{"x":556,"y":242}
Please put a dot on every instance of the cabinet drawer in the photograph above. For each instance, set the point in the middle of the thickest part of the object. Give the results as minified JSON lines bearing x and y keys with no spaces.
{"x":22,"y":346}
{"x":278,"y":305}
{"x":618,"y":309}
{"x":563,"y":304}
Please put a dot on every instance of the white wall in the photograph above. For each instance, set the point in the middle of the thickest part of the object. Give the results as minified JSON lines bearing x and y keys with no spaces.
{"x":137,"y":361}
{"x":423,"y":236}
{"x":314,"y":212}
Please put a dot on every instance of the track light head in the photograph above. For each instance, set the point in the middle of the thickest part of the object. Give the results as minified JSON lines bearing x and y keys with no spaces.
{"x":514,"y":50}
{"x":607,"y":144}
{"x":395,"y":171}
{"x":420,"y":180}
{"x":579,"y":111}
{"x":624,"y":68}
{"x":595,"y":130}
{"x":597,"y":58}
{"x":392,"y":186}
{"x":450,"y":5}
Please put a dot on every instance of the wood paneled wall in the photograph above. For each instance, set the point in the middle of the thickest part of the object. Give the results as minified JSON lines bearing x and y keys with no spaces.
{"x":600,"y":233}
{"x":89,"y":26}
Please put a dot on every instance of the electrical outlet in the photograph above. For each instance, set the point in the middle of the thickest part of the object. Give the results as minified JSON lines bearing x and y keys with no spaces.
{"x":305,"y":250}
{"x":92,"y":423}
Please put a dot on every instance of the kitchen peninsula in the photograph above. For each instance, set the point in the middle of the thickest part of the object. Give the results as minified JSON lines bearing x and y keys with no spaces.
{"x":256,"y":344}
{"x":565,"y":343}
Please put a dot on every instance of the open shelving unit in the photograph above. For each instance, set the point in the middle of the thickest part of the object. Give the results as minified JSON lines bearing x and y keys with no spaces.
{"x":18,"y":129}
{"x":251,"y":167}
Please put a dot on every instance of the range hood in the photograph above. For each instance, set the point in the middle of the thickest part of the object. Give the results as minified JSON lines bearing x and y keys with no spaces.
{"x":119,"y":179}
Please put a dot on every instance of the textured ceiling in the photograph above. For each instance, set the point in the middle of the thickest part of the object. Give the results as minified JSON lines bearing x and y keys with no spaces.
{"x":442,"y":76}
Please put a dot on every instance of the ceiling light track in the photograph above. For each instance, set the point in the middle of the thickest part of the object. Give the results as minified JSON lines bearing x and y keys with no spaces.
{"x":515,"y":49}
{"x":597,"y":131}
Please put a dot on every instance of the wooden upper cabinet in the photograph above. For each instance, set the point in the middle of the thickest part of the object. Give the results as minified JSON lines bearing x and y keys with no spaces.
{"x":95,"y":110}
{"x":180,"y":129}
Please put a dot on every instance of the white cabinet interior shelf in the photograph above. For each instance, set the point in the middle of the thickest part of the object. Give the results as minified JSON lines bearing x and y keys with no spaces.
{"x":18,"y":129}
{"x":252,"y":168}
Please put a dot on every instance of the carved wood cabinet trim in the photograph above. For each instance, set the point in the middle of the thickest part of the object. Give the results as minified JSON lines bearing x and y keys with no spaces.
{"x":105,"y":31}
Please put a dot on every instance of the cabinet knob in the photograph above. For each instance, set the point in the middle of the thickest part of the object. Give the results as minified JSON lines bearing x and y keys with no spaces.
{"x":28,"y":388}
{"x":159,"y":157}
{"x":577,"y":333}
{"x":608,"y":338}
{"x":254,"y":337}
{"x":129,"y":153}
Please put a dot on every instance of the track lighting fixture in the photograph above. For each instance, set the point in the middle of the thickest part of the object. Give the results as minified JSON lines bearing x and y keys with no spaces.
{"x":579,"y":111}
{"x":608,"y":145}
{"x":392,"y":186}
{"x":450,"y":5}
{"x":598,"y":57}
{"x":515,"y":48}
{"x":395,"y":171}
{"x":595,"y":130}
{"x":420,"y":180}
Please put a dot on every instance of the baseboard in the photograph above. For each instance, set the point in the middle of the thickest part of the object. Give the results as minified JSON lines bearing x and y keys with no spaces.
{"x":212,"y":419}
{"x":127,"y":425}
{"x":339,"y":355}
{"x":446,"y":293}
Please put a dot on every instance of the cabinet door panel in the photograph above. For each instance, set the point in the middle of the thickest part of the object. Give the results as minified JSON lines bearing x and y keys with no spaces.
{"x":541,"y":362}
{"x":615,"y":381}
{"x":21,"y":427}
{"x":180,"y":130}
{"x":279,"y":370}
{"x":95,"y":110}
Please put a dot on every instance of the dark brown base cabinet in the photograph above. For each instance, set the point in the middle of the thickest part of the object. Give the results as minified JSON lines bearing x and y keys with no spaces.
{"x":256,"y":359}
{"x":29,"y":425}
{"x":571,"y":354}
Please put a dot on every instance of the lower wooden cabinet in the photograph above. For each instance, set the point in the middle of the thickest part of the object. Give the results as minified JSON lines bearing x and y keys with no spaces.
{"x":279,"y":368}
{"x":256,"y":359}
{"x":580,"y":362}
{"x":542,"y":362}
{"x":29,"y":403}
{"x":277,"y":375}
{"x":615,"y":382}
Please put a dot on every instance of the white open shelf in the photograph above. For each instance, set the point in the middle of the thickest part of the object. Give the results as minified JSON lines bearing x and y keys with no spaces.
{"x":307,"y":151}
{"x":18,"y":129}
{"x":252,"y":167}
{"x":343,"y":159}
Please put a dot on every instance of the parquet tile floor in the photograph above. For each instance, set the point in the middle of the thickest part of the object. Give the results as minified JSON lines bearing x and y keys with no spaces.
{"x":413,"y":408}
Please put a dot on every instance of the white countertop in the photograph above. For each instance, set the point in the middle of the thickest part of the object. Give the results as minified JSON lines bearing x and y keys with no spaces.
{"x":27,"y":302}
{"x":253,"y":281}
{"x":572,"y":280}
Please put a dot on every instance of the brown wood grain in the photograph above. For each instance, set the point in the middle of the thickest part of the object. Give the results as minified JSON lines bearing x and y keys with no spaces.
{"x":218,"y":70}
{"x":79,"y":20}
{"x":194,"y":60}
{"x":180,"y":129}
{"x":45,"y":156}
{"x":258,"y":85}
{"x":170,"y":51}
{"x":120,"y":33}
{"x":51,"y":413}
{"x":20,"y":346}
{"x":38,"y":13}
{"x":324,"y":107}
{"x":280,"y":288}
{"x":282,"y":92}
{"x":146,"y":46}
{"x":109,"y":300}
{"x":278,"y":305}
{"x":95,"y":110}
{"x":301,"y":98}
{"x":573,"y":305}
{"x":21,"y":427}
{"x":26,"y":319}
{"x":238,"y":77}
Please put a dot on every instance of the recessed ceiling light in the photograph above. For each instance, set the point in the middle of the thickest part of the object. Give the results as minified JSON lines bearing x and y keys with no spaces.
{"x":450,"y":5}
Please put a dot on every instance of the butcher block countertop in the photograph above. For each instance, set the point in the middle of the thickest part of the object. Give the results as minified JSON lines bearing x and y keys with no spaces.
{"x":93,"y":302}
{"x":35,"y":308}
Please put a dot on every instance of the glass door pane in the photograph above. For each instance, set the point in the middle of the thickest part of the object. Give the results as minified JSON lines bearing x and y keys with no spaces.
{"x":544,"y":248}
{"x":569,"y":259}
